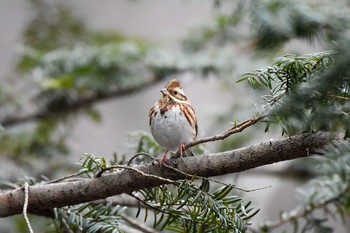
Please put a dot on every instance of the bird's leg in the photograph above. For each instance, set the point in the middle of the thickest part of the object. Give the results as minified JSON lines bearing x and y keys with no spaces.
{"x":163,"y":159}
{"x":182,"y":149}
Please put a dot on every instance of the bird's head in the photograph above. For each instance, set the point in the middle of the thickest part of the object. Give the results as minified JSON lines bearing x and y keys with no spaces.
{"x":174,"y":90}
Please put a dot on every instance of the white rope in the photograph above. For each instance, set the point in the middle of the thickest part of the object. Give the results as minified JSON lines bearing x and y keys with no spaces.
{"x":25,"y":206}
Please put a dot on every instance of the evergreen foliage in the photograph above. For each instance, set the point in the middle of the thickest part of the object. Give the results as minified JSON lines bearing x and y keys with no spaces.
{"x":184,"y":206}
{"x":89,"y":217}
{"x":306,"y":92}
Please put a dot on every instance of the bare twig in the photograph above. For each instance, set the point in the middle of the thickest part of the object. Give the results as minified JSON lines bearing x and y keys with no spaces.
{"x":237,"y":128}
{"x":147,"y":204}
{"x":138,"y":154}
{"x":136,"y":224}
{"x":67,"y":177}
{"x":136,"y":170}
{"x":25,"y":206}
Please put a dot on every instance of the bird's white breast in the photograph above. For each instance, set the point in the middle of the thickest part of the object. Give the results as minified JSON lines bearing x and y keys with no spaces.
{"x":171,"y":129}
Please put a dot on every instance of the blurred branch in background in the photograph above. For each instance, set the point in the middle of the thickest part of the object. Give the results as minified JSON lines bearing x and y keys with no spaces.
{"x":82,"y":103}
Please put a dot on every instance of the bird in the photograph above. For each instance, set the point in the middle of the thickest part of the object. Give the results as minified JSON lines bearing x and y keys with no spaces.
{"x":172,"y":119}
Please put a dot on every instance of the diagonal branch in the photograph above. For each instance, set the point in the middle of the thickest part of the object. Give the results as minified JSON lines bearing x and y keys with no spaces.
{"x":237,"y":128}
{"x":45,"y":197}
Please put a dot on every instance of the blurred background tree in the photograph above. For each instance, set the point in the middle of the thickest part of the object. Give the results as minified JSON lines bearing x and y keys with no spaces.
{"x":69,"y":75}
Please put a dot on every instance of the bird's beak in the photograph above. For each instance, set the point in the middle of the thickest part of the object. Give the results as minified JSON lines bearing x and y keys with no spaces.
{"x":164,"y":91}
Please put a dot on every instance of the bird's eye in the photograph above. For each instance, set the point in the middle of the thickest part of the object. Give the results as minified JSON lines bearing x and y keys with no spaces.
{"x":175,"y":92}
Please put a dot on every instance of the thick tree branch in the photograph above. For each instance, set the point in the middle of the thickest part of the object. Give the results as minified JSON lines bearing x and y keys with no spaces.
{"x":44,"y":197}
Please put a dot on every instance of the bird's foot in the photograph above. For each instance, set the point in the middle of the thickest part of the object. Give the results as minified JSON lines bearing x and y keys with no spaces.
{"x":163,"y":159}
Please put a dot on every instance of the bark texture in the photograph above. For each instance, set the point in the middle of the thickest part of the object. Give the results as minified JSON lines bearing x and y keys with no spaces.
{"x":45,"y":197}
